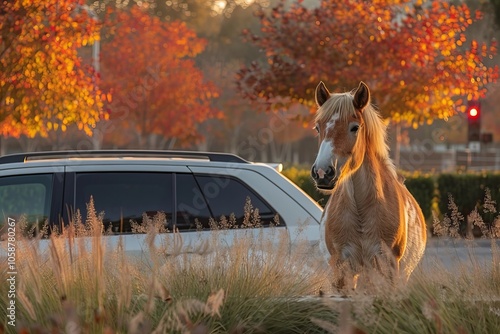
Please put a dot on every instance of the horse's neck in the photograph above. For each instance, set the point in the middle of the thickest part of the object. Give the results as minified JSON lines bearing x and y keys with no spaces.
{"x":368,"y":180}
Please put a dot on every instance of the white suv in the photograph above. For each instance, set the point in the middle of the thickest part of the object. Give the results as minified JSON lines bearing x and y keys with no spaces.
{"x":192,"y":189}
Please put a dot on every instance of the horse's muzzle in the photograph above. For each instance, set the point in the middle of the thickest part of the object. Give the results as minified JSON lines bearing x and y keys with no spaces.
{"x":325,"y":180}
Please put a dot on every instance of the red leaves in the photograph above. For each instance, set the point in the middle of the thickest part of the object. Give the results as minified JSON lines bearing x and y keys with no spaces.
{"x":158,"y":90}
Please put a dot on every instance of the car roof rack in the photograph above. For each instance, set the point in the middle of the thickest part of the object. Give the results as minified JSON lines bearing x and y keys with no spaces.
{"x":212,"y":156}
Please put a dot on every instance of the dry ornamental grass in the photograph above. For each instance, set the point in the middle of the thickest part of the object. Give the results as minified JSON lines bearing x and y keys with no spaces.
{"x":261,"y":285}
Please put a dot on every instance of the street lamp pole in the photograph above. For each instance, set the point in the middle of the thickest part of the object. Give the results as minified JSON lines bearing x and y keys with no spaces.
{"x":96,"y":47}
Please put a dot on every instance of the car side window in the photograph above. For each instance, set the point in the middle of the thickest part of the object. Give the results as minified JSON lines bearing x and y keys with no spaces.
{"x":238,"y":203}
{"x":192,"y":209}
{"x":25,"y":195}
{"x":124,"y":197}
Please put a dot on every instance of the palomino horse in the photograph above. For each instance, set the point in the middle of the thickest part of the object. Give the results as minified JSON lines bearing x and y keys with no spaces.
{"x":370,"y":215}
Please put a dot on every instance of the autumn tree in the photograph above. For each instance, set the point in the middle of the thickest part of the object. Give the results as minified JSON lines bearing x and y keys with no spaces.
{"x":44,"y":85}
{"x":158,"y":92}
{"x":414,"y":55}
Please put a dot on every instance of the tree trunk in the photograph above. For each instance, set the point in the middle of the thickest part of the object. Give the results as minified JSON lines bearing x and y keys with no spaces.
{"x":3,"y":146}
{"x":97,"y":139}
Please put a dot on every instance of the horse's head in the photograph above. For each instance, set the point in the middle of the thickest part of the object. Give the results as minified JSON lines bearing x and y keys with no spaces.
{"x":338,"y":122}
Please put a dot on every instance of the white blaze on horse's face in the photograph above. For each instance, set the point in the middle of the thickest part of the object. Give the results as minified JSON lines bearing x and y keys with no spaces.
{"x":324,"y":168}
{"x":337,"y":139}
{"x":325,"y":159}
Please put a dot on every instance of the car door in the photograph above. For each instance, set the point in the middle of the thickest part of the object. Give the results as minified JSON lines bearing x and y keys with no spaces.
{"x":297,"y":213}
{"x":123,"y":194}
{"x":211,"y":201}
{"x":193,"y":205}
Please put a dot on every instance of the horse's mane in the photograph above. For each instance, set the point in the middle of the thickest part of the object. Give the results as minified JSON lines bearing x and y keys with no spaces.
{"x":375,"y":129}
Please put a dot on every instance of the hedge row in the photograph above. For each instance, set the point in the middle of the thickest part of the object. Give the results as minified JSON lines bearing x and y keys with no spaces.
{"x":432,"y":192}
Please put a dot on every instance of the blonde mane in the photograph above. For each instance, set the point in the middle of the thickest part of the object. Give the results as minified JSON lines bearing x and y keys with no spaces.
{"x":374,"y":127}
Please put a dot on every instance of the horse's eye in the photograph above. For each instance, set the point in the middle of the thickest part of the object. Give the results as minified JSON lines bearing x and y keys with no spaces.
{"x":354,"y":128}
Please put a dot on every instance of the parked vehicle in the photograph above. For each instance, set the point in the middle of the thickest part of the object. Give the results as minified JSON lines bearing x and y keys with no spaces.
{"x":197,"y":192}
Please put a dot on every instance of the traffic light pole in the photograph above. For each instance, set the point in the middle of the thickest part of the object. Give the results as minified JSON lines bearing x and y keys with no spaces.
{"x":474,"y":126}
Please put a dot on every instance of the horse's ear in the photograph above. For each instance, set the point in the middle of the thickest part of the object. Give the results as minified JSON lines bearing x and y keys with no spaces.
{"x":322,"y":94}
{"x":361,"y":97}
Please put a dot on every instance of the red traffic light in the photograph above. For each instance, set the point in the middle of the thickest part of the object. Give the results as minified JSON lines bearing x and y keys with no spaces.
{"x":474,"y":121}
{"x":473,"y":112}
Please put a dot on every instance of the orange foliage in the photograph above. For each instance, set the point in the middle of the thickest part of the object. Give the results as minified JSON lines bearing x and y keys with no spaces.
{"x":43,"y":84}
{"x":156,"y":86}
{"x":414,"y":55}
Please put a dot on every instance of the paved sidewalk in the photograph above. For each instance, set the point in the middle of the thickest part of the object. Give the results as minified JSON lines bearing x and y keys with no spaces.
{"x":461,"y":253}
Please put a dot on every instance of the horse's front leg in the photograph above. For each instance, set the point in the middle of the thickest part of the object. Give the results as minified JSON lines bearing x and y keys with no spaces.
{"x":343,"y":275}
{"x":387,"y":263}
{"x":338,"y":273}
